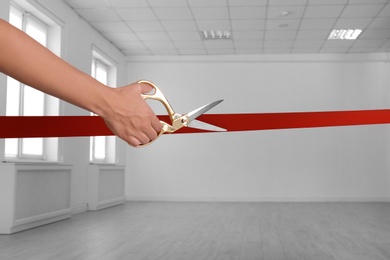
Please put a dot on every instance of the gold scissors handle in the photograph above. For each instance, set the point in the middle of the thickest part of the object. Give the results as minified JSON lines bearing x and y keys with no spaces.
{"x":178,"y":121}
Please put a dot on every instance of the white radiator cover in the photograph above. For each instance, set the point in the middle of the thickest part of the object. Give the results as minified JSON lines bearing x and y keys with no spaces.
{"x":33,"y":194}
{"x":106,"y":186}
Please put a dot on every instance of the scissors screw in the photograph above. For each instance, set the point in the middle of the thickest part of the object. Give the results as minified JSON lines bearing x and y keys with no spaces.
{"x":184,"y":121}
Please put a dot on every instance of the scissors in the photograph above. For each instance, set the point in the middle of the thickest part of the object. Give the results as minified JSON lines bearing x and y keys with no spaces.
{"x":178,"y":120}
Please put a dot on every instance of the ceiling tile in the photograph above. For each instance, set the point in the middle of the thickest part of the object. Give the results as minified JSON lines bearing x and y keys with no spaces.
{"x":145,"y":26}
{"x":248,"y":13}
{"x":291,"y":12}
{"x":318,"y":24}
{"x":193,"y":45}
{"x":210,"y":13}
{"x":334,"y":50}
{"x":111,"y":26}
{"x":166,"y":3}
{"x":171,"y":27}
{"x":213,"y":25}
{"x":218,"y":44}
{"x":327,"y":2}
{"x":311,"y":35}
{"x":179,"y":25}
{"x":173,"y":13}
{"x":369,"y":43}
{"x":248,"y":44}
{"x":159,"y":45}
{"x":308,"y":44}
{"x":125,"y":3}
{"x":99,"y":14}
{"x":362,"y":49}
{"x":87,"y":3}
{"x":206,"y":3}
{"x":164,"y":52}
{"x":248,"y":35}
{"x":248,"y":2}
{"x":367,"y":2}
{"x":153,"y":36}
{"x":280,"y":35}
{"x":328,"y":11}
{"x":385,"y":11}
{"x":361,"y":11}
{"x":220,"y":51}
{"x":249,"y":51}
{"x":279,"y":44}
{"x":248,"y":25}
{"x":136,"y":14}
{"x":338,"y":43}
{"x":185,"y":36}
{"x":375,"y":34}
{"x":283,"y":24}
{"x":287,"y":2}
{"x":382,"y":22}
{"x":352,"y":23}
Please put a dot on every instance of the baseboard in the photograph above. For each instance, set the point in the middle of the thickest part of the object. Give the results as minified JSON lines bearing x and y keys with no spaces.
{"x":107,"y":203}
{"x":77,"y":209}
{"x":37,"y":221}
{"x":258,"y":199}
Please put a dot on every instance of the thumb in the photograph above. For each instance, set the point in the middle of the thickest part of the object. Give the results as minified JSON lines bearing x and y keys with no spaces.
{"x":145,"y":87}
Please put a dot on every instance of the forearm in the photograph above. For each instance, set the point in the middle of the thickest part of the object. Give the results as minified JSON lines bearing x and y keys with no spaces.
{"x":31,"y":63}
{"x":123,"y":109}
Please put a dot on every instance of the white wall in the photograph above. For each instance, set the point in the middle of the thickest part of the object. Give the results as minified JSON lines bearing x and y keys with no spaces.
{"x":335,"y":163}
{"x":78,"y":38}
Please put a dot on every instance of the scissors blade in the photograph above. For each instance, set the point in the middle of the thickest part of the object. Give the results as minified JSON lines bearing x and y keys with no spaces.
{"x":199,"y":111}
{"x":205,"y":126}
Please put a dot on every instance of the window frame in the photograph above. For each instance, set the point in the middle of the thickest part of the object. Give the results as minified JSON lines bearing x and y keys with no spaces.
{"x":49,"y":146}
{"x":99,"y":58}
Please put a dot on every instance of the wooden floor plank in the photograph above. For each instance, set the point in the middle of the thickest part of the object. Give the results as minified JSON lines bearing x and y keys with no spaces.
{"x":200,"y":231}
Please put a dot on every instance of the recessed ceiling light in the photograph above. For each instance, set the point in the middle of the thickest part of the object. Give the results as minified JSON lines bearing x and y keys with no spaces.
{"x":215,"y":35}
{"x":285,"y":13}
{"x":344,"y":34}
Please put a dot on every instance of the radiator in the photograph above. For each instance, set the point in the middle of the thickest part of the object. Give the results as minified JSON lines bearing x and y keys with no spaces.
{"x":106,"y":186}
{"x":33,"y":194}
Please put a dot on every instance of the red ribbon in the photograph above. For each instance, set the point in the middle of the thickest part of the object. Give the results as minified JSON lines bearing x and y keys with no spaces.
{"x":67,"y":126}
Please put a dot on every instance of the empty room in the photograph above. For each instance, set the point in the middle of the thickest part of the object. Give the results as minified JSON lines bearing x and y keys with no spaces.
{"x":195,"y":129}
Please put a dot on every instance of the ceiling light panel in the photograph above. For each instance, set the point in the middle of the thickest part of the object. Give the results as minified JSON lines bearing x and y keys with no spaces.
{"x":216,"y":35}
{"x":344,"y":34}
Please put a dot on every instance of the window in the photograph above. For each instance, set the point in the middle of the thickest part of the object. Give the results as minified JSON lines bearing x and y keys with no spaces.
{"x":23,"y":100}
{"x":102,"y":148}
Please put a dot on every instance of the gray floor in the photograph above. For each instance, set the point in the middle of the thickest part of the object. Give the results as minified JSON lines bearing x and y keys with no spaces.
{"x":179,"y":231}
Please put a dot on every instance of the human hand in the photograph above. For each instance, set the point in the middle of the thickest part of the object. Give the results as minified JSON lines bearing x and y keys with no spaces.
{"x":129,"y":116}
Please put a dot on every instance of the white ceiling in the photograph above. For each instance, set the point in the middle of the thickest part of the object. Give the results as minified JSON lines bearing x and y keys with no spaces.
{"x":172,"y":27}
